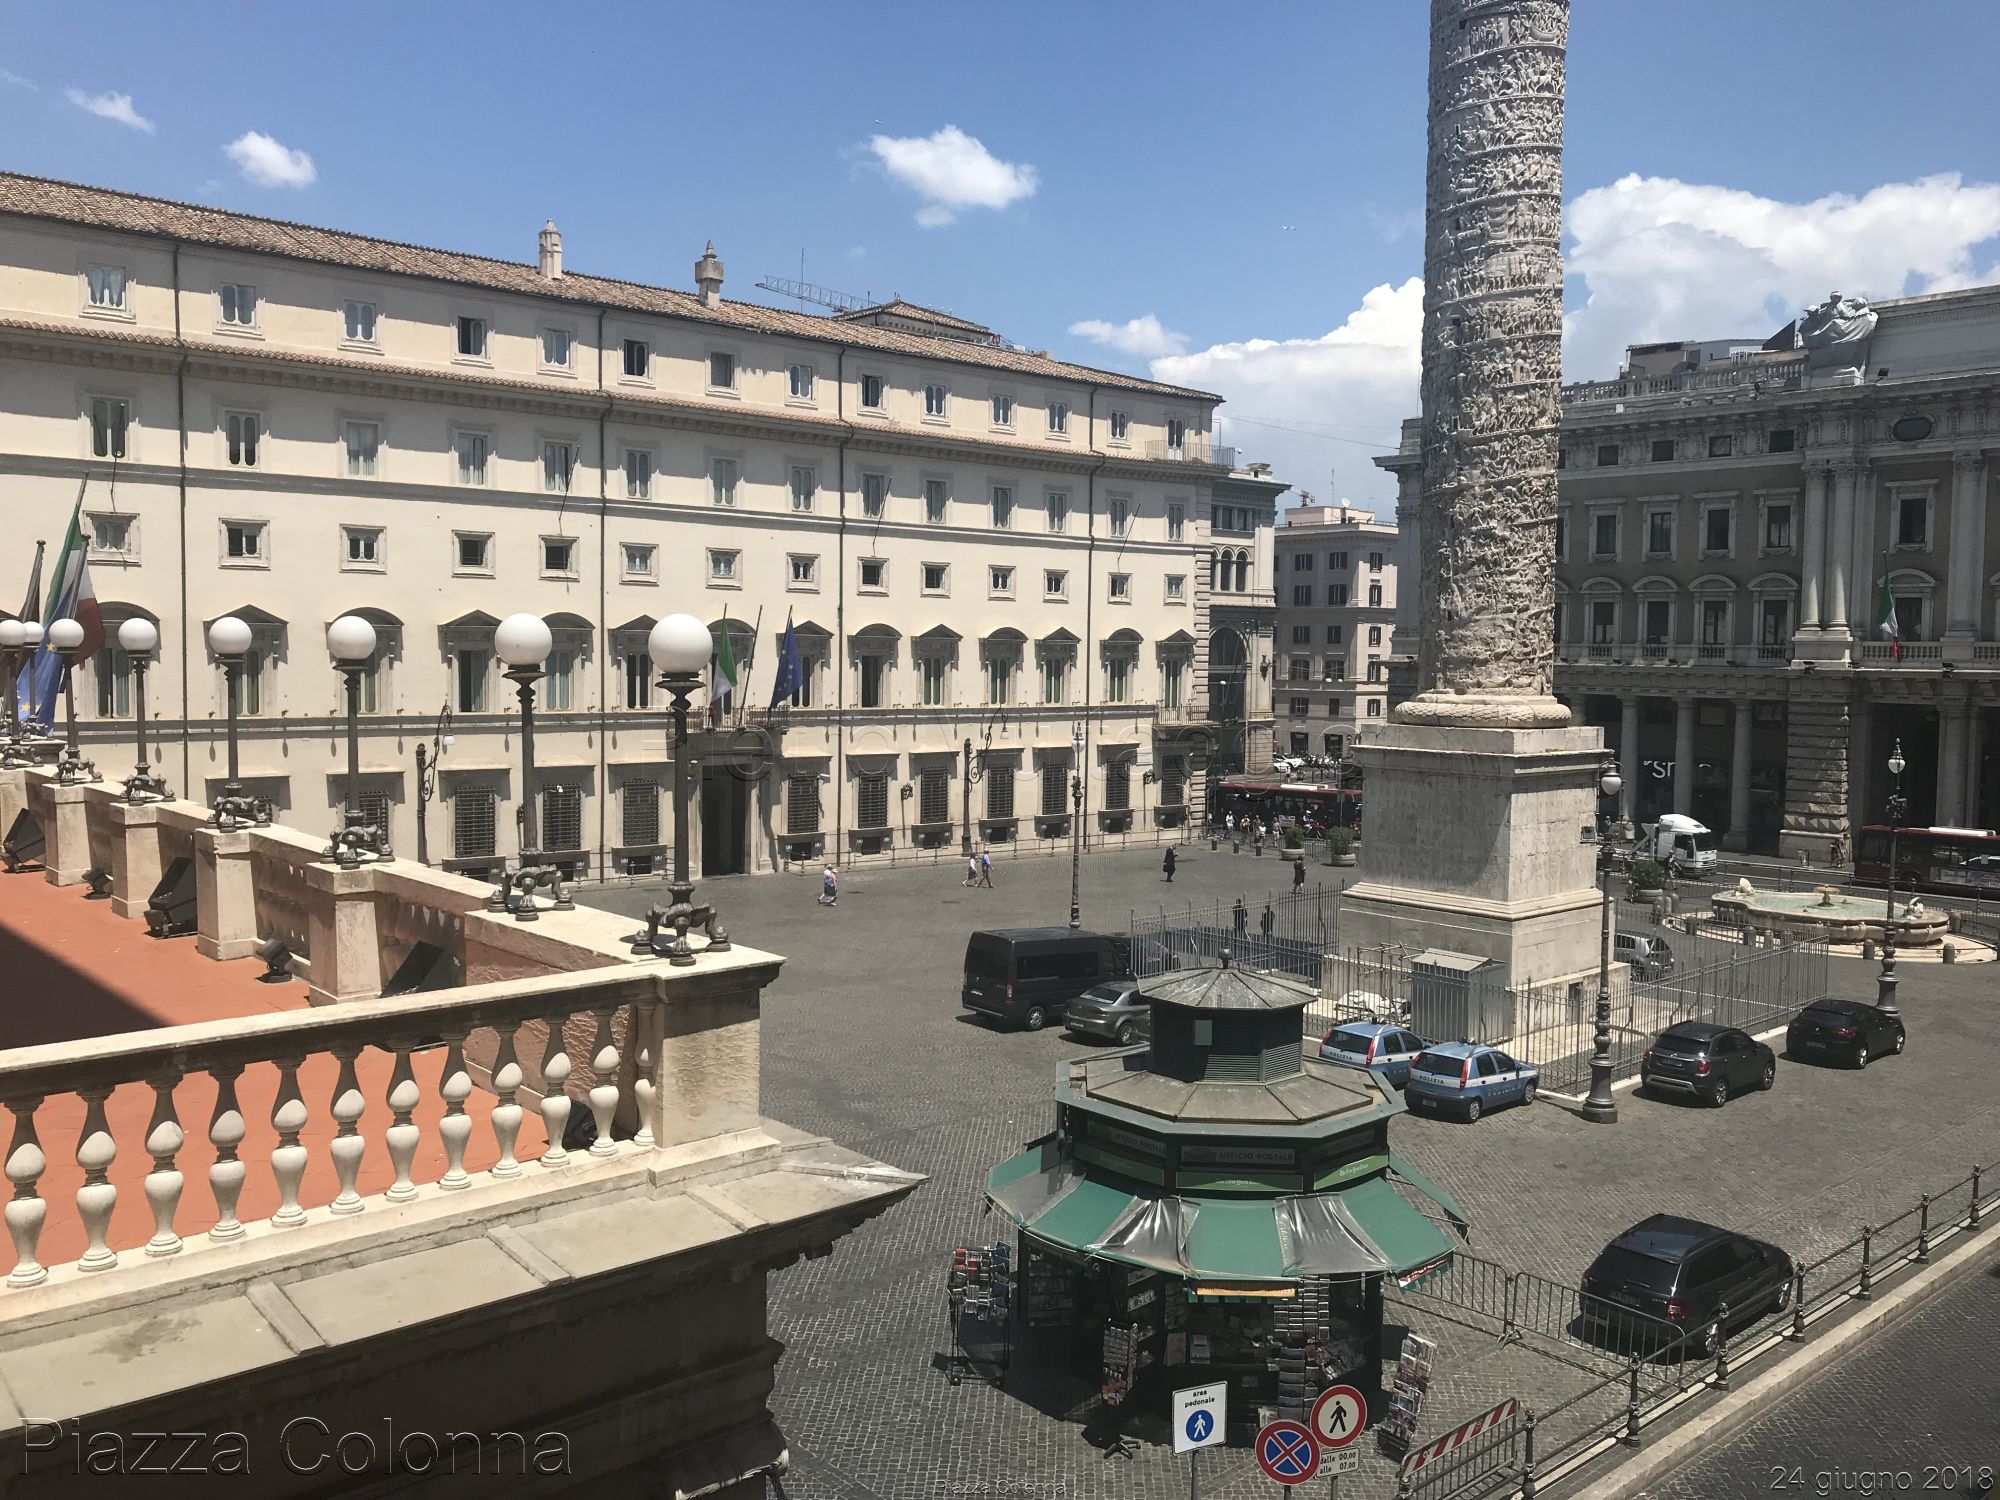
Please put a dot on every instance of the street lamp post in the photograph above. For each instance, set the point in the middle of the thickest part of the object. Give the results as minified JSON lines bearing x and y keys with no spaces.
{"x":442,"y":739}
{"x":229,"y":638}
{"x":1076,"y":826}
{"x":350,"y":640}
{"x":137,"y":637}
{"x":1898,"y":809}
{"x":14,"y":651}
{"x":67,"y":638}
{"x":680,"y":647}
{"x":523,"y":641}
{"x":1598,"y":1106}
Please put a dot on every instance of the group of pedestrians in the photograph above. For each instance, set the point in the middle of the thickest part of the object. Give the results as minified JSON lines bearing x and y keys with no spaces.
{"x":979,"y":870}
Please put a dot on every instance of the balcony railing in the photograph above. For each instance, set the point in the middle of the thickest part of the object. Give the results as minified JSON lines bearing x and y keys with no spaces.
{"x":1754,"y":377}
{"x":1193,"y":451}
{"x":1911,"y":653}
{"x":1986,"y":651}
{"x":1774,"y":651}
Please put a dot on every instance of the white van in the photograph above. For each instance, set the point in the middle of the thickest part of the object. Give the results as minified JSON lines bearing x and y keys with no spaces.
{"x":1691,"y":843}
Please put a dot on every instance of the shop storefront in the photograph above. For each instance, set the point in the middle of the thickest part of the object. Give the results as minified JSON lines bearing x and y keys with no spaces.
{"x":1218,"y":1207}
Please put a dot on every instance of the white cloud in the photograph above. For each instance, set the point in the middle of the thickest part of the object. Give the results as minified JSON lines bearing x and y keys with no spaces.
{"x":15,"y":80}
{"x":268,"y":164}
{"x":1664,"y":259}
{"x":1142,"y":338}
{"x":111,"y":106}
{"x":1352,"y":387}
{"x":950,"y":171}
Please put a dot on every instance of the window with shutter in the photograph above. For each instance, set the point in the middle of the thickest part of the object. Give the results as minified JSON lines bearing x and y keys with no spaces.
{"x":472,"y":822}
{"x":562,"y":817}
{"x":999,"y":791}
{"x":802,"y":803}
{"x":641,"y":812}
{"x":874,"y":800}
{"x":1054,"y":790}
{"x":1118,"y":786}
{"x":934,"y":796}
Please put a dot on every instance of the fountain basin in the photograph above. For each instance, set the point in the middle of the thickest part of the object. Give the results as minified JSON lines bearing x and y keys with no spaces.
{"x":1839,"y":918}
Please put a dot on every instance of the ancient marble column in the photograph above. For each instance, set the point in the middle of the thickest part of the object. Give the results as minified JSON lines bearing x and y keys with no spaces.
{"x":1492,"y":360}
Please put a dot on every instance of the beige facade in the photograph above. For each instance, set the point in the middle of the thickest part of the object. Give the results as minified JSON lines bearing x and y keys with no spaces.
{"x":1337,"y":604}
{"x":1728,"y":521}
{"x":980,"y":548}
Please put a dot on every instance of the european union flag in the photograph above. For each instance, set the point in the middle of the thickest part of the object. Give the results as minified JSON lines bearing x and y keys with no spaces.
{"x":790,"y":672}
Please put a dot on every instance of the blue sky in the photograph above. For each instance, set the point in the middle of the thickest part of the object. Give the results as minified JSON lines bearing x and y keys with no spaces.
{"x":1242,"y":180}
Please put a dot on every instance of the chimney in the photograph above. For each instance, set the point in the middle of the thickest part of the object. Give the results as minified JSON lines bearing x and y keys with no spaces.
{"x":708,"y":277}
{"x":550,"y":258}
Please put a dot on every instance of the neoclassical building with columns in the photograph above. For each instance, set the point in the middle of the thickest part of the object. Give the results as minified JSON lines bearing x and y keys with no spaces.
{"x":1730,"y":514}
{"x":989,"y":557}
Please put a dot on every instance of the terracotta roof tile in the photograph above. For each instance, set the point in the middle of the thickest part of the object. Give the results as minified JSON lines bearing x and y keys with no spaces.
{"x":105,"y":208}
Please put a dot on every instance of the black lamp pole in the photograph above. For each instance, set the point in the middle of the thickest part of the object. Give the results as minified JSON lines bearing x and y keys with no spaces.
{"x":1076,"y":831}
{"x":680,"y":909}
{"x":1898,"y":809}
{"x":142,"y":785}
{"x":427,"y":775}
{"x":1599,"y":1108}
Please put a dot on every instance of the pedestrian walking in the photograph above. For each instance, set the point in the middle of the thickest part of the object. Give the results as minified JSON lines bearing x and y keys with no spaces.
{"x":1167,"y":865}
{"x":1298,"y":873}
{"x":1268,"y":921}
{"x":1230,"y":821}
{"x":986,"y":869}
{"x":829,"y":886}
{"x":1840,"y":848}
{"x":971,"y":870}
{"x":1242,"y":917}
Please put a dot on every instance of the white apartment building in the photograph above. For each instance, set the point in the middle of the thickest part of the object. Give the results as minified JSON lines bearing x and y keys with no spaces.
{"x":985,"y":552}
{"x":1335,"y":570}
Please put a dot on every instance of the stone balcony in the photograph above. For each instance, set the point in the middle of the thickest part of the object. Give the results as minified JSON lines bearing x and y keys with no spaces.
{"x":522,"y":1213}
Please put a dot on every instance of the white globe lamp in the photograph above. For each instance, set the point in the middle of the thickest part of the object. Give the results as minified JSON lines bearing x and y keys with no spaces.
{"x":66,"y":635}
{"x":522,"y":640}
{"x":138,"y":636}
{"x":680,"y":646}
{"x":229,"y":636}
{"x":350,"y":639}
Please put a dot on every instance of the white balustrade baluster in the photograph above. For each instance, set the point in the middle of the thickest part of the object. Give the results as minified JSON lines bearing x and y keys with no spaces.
{"x":288,"y":1157}
{"x":95,"y":1151}
{"x":348,"y":1147}
{"x":25,"y":1210}
{"x":403,"y":1135}
{"x":455,"y":1129}
{"x":164,"y":1139}
{"x":604,"y":1092}
{"x":225,"y":1133}
{"x":555,"y":1100}
{"x":507,"y":1112}
{"x":646,"y":1017}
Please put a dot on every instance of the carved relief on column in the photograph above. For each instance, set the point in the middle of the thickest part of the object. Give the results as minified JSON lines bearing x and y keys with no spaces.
{"x":1492,"y":364}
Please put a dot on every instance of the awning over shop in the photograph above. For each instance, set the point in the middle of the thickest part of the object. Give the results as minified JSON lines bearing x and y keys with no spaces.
{"x":1361,"y":1229}
{"x":1400,"y":1168}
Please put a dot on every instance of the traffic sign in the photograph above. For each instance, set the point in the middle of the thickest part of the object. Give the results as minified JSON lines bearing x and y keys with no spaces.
{"x":1338,"y":1416}
{"x":1200,"y":1413}
{"x":1287,"y":1453}
{"x":1343,"y":1460}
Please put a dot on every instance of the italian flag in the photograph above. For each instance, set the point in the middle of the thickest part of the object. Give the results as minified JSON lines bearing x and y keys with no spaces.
{"x":721,"y":674}
{"x":71,"y":597}
{"x":1886,"y":623}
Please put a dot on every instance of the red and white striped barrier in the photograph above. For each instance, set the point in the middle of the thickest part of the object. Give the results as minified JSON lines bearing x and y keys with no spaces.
{"x":1416,"y":1458}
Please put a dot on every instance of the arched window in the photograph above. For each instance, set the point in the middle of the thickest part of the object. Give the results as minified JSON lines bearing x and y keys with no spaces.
{"x":1242,"y":571}
{"x":111,"y":668}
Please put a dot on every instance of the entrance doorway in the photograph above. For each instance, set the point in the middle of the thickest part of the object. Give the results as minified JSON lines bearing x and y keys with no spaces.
{"x":725,"y":821}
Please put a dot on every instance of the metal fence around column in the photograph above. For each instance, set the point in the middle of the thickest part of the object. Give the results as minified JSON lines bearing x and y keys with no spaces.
{"x":1280,"y":931}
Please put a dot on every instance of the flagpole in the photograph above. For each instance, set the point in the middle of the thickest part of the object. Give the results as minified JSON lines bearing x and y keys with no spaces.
{"x":741,"y":693}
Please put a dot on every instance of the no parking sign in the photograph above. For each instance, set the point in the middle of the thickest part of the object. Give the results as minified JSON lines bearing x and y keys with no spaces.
{"x":1287,"y":1452}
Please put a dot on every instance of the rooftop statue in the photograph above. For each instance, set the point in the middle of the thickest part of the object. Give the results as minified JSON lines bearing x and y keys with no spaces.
{"x":1835,"y":334}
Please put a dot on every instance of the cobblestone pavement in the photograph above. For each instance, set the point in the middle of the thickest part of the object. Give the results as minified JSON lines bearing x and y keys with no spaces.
{"x":864,"y":1041}
{"x":1910,"y":1412}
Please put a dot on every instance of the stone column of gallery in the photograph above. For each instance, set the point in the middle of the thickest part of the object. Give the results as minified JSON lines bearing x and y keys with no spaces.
{"x":1479,"y":786}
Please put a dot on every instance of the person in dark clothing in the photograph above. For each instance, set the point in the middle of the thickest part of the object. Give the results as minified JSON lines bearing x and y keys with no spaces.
{"x":1298,"y":873}
{"x":1167,"y":865}
{"x":1242,"y":916}
{"x":1266,"y":922}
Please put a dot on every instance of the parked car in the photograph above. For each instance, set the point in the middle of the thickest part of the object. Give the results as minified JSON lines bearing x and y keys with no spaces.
{"x":1468,"y":1077}
{"x":1028,"y":975}
{"x":1374,"y":1048}
{"x":1113,"y":1009}
{"x":1650,"y":957}
{"x":1843,"y":1031}
{"x":1706,"y":1060}
{"x":1668,"y":1277}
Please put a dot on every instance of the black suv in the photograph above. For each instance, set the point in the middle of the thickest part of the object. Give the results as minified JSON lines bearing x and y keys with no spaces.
{"x":1844,"y":1030}
{"x":1668,"y":1278}
{"x":1708,"y":1061}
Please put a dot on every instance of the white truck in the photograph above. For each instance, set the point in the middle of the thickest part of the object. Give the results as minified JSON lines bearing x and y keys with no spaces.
{"x":1690,"y":843}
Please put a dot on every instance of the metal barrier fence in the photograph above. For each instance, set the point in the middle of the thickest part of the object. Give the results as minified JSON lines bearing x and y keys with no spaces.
{"x":1530,"y":1448}
{"x":1285,"y":932}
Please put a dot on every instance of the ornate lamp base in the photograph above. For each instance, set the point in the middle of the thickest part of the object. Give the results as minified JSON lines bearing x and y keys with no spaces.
{"x":229,"y":813}
{"x":74,"y":770}
{"x":356,"y":843}
{"x":515,"y":890}
{"x":682,"y":913}
{"x":145,"y":787}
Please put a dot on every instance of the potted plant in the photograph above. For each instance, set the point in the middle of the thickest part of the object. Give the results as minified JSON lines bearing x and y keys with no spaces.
{"x":1340,"y":846}
{"x":1647,"y":881}
{"x":1295,"y":842}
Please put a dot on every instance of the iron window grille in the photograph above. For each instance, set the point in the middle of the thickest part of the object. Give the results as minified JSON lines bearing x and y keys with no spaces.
{"x":1173,"y":783}
{"x":472,"y":822}
{"x":1054,"y":792}
{"x":641,"y":812}
{"x":1118,"y":786}
{"x":374,"y":809}
{"x":562,"y":817}
{"x":802,"y":803}
{"x":999,"y":791}
{"x":872,"y":805}
{"x":933,"y":796}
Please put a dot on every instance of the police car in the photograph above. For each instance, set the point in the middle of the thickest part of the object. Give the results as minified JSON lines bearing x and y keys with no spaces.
{"x":1373,"y":1047}
{"x":1468,"y":1078}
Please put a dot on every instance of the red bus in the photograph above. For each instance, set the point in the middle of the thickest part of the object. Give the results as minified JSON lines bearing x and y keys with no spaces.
{"x":1309,"y":803}
{"x":1951,"y":861}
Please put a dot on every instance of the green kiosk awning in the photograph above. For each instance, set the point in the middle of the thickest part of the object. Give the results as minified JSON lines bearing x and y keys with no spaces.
{"x":1366,"y":1228}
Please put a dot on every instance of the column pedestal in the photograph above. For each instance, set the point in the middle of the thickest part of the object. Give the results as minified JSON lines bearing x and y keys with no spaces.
{"x":135,"y":851}
{"x":1815,"y":775}
{"x":346,"y":950}
{"x":1476,"y":846}
{"x":225,"y":895}
{"x":67,"y":830}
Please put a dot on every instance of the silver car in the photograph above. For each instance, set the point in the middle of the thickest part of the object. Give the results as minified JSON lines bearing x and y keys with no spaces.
{"x":1650,"y":957}
{"x":1113,"y":1010}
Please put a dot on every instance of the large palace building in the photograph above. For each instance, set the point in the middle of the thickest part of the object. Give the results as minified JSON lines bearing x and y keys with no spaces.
{"x":1739,"y":523}
{"x":998,"y":566}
